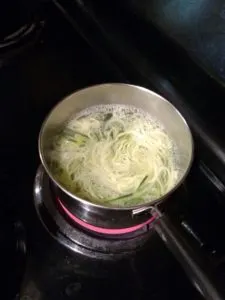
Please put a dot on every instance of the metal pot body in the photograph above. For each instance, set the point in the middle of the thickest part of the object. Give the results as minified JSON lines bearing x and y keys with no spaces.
{"x":98,"y":217}
{"x":155,"y":105}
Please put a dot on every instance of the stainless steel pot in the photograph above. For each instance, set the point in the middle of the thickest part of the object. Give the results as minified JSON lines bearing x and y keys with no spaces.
{"x":102,"y":216}
{"x":147,"y":100}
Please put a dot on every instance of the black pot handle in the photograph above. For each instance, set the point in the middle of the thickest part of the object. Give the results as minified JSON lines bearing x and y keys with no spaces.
{"x":189,"y":260}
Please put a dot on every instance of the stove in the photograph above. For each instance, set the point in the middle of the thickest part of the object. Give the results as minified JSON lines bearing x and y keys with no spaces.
{"x":55,"y":257}
{"x":69,"y":260}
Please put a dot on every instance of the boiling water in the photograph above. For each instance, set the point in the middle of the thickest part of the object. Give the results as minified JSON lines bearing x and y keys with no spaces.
{"x":114,"y":155}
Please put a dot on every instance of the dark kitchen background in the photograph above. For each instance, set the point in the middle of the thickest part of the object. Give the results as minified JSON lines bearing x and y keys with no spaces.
{"x":49,"y":49}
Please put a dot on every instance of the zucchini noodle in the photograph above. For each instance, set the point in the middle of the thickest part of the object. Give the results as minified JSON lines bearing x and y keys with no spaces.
{"x":114,"y":155}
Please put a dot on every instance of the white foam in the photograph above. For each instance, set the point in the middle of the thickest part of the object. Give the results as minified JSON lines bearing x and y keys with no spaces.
{"x":127,"y":112}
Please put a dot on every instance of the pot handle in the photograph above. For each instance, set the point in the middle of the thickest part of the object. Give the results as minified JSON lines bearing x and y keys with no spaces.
{"x":189,"y":260}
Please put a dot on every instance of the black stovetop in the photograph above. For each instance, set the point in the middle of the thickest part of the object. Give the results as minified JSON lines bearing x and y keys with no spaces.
{"x":56,"y":62}
{"x":67,"y":262}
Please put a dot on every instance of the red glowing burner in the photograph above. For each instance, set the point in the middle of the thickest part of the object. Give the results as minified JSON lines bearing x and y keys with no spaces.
{"x":103,"y":230}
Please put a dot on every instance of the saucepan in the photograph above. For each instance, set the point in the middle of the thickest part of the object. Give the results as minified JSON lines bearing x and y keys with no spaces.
{"x":125,"y":217}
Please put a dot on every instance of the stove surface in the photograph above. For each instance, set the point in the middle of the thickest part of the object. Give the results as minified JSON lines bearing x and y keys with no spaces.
{"x":67,"y":262}
{"x":34,"y":76}
{"x":33,"y":79}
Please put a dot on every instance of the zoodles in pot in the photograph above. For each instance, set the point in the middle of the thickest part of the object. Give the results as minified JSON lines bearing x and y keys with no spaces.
{"x":114,"y":155}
